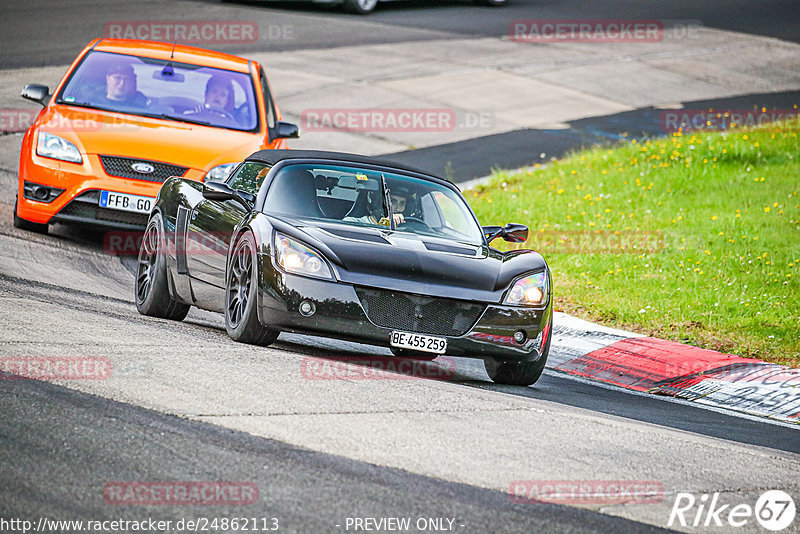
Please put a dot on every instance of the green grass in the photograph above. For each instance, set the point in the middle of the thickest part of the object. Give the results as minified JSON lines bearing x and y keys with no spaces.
{"x":714,"y":217}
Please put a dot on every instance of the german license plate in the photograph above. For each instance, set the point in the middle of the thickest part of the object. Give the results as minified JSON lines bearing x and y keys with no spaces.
{"x":422,"y":343}
{"x":125,"y":202}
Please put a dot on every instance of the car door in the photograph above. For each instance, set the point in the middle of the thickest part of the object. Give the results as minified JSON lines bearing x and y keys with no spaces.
{"x":211,"y":224}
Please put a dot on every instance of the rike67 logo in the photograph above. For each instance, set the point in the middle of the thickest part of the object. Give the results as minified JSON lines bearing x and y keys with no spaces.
{"x":774,"y":510}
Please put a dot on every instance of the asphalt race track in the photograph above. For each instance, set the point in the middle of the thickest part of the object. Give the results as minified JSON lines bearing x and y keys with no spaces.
{"x":185,"y":403}
{"x":307,"y":491}
{"x":35,"y":34}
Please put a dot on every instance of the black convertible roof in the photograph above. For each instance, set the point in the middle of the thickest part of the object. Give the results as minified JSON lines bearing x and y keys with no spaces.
{"x":274,"y":156}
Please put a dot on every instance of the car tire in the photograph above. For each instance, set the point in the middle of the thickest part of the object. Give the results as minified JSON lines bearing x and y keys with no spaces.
{"x":152,"y":292}
{"x":493,"y":3}
{"x":24,"y":224}
{"x":413,"y":354}
{"x":362,"y":7}
{"x":518,"y":373}
{"x":241,"y":296}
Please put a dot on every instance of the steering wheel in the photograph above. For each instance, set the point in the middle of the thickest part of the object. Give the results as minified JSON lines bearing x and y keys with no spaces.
{"x":205,"y":112}
{"x":228,"y":115}
{"x":412,"y":222}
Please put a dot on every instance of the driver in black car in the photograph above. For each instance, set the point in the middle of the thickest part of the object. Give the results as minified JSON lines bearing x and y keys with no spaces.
{"x":218,"y":100}
{"x":399,"y":197}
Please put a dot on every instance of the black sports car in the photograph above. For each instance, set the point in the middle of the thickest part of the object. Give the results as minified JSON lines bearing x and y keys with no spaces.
{"x":350,"y":247}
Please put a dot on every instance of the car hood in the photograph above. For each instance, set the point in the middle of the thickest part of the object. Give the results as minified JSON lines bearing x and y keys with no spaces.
{"x":416,"y":263}
{"x":189,"y":145}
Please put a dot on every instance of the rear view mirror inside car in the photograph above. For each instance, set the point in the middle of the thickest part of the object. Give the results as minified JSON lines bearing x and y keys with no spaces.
{"x":168,"y":74}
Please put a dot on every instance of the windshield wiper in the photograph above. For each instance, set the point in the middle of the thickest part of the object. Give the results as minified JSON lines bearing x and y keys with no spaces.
{"x":84,"y":105}
{"x":387,"y":201}
{"x":137,"y":112}
{"x":179,"y":119}
{"x":183,"y":118}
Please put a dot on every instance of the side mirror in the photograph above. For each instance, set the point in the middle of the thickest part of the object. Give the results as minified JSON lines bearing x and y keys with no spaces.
{"x":221,"y":191}
{"x":37,"y":93}
{"x":515,"y":233}
{"x":286,"y":130}
{"x":512,"y":232}
{"x":492,"y":232}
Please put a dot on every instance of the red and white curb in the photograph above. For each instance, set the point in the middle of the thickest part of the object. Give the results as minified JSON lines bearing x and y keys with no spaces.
{"x":660,"y":367}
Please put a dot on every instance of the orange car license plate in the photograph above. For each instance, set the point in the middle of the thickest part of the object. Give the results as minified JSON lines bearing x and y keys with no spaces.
{"x":125,"y":202}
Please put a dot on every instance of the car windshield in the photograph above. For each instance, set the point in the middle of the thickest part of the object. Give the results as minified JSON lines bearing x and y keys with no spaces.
{"x":354,"y":196}
{"x":159,"y":88}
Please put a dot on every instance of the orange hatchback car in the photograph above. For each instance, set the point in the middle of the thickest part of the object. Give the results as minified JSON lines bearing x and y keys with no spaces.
{"x":130,"y":114}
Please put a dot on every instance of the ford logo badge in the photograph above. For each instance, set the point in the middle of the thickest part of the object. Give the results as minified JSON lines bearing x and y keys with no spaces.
{"x":143,"y":168}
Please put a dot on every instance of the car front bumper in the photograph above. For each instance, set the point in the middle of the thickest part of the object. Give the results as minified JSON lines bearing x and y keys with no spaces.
{"x":340,"y":313}
{"x":82,"y":183}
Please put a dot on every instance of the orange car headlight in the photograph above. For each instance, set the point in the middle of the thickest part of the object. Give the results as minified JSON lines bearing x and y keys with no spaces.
{"x":53,"y":146}
{"x":220,"y":172}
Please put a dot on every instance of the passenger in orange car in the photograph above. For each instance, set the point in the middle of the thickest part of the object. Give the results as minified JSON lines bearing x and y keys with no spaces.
{"x":219,"y":94}
{"x":218,"y":99}
{"x":121,"y":87}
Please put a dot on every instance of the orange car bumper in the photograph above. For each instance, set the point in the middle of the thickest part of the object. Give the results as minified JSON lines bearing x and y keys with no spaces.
{"x":82,"y":184}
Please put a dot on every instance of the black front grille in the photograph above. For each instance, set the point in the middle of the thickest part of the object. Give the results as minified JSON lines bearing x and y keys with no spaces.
{"x":123,"y":168}
{"x":126,"y":217}
{"x":85,"y":206}
{"x":417,"y":313}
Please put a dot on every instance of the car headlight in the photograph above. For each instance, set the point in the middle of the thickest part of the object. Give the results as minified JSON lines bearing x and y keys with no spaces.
{"x":220,"y":172}
{"x":530,"y":290}
{"x":53,"y":146}
{"x":297,"y":258}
